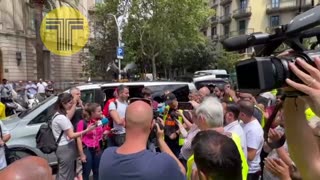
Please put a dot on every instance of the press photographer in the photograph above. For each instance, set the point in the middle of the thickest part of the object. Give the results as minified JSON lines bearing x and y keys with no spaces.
{"x":299,"y":70}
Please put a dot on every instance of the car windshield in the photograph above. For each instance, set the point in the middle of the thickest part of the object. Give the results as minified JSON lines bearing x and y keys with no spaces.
{"x":28,"y":111}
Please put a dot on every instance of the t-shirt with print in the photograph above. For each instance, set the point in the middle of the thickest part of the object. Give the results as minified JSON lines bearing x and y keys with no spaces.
{"x":61,"y":123}
{"x":143,"y":165}
{"x":121,"y":109}
{"x":254,"y":136}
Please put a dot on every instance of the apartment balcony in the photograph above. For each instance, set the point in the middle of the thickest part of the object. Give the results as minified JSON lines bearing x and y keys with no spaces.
{"x":241,"y":32}
{"x":287,"y":5}
{"x":225,"y":19}
{"x":214,"y":4}
{"x":224,"y":2}
{"x":242,"y":13}
{"x":224,"y":37}
{"x":214,"y":20}
{"x":271,"y":29}
{"x":215,"y":38}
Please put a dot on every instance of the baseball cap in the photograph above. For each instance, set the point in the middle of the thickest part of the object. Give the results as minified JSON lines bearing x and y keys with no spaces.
{"x":169,"y":98}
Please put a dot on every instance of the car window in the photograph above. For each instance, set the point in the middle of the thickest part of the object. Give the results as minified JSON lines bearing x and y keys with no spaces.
{"x":88,"y":96}
{"x":180,"y":90}
{"x":28,"y":111}
{"x":44,"y":116}
{"x":200,"y":84}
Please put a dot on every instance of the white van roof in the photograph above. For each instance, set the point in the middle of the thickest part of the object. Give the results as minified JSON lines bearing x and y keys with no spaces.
{"x":210,"y":72}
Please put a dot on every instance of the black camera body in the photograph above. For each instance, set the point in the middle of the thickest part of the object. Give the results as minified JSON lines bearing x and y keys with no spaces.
{"x":264,"y":71}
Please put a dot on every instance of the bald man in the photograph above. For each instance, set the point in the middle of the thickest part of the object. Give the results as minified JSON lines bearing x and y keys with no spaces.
{"x":31,"y":167}
{"x":131,"y":160}
{"x":203,"y":92}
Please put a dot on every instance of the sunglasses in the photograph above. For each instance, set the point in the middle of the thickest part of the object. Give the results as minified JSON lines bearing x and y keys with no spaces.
{"x":140,"y":99}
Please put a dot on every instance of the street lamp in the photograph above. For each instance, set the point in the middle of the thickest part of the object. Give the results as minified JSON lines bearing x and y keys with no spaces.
{"x":119,"y":41}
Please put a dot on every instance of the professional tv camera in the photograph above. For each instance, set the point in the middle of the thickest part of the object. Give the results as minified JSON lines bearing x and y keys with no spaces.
{"x":265,"y":71}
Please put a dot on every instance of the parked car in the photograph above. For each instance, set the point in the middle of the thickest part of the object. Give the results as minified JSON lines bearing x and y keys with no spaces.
{"x":24,"y":126}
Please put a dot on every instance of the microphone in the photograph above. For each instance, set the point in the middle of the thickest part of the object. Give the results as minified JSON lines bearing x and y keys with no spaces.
{"x":236,"y":43}
{"x":102,"y":122}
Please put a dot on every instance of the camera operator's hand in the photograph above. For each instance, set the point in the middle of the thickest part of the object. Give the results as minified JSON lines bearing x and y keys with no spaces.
{"x":160,"y":132}
{"x":311,"y":82}
{"x":274,"y":135}
{"x":278,"y":168}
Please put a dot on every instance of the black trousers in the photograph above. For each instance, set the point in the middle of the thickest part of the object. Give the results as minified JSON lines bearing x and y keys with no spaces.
{"x":254,"y":176}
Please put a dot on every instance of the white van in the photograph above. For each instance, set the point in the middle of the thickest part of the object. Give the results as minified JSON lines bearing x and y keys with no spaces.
{"x":210,"y":72}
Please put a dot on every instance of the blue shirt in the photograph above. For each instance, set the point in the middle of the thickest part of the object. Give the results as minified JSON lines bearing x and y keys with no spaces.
{"x":144,"y":165}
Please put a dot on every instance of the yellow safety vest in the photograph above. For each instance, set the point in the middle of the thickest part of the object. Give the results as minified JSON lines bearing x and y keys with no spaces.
{"x":181,"y":138}
{"x":245,"y":168}
{"x":2,"y":111}
{"x":309,"y":114}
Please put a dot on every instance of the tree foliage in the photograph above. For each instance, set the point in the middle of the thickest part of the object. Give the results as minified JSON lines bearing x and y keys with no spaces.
{"x":227,"y":60}
{"x":102,"y":47}
{"x":158,"y":28}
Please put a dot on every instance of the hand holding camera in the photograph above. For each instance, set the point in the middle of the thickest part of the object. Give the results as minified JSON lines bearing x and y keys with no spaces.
{"x":159,"y":128}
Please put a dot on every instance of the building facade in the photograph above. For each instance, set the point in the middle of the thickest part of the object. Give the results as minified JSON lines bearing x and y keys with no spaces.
{"x":17,"y":46}
{"x":237,"y":17}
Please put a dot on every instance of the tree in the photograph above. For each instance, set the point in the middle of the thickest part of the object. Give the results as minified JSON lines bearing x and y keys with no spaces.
{"x":157,"y":28}
{"x":40,"y":6}
{"x":102,"y":48}
{"x":227,"y":60}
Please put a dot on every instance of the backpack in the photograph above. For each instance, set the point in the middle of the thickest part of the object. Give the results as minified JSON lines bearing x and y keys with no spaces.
{"x":45,"y":139}
{"x":106,"y":112}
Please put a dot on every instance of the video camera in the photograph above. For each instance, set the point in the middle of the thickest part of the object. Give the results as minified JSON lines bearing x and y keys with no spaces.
{"x":264,"y":71}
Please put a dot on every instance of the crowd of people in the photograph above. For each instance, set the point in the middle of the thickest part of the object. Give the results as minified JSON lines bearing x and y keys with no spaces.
{"x":224,"y":135}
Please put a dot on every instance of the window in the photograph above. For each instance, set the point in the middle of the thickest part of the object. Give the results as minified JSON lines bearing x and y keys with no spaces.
{"x":88,"y":96}
{"x":274,"y":21}
{"x":242,"y":27}
{"x":99,"y":1}
{"x":213,"y":31}
{"x":243,"y":4}
{"x":226,"y":29}
{"x":227,"y":10}
{"x":275,"y":3}
{"x":44,"y":116}
{"x":180,"y":90}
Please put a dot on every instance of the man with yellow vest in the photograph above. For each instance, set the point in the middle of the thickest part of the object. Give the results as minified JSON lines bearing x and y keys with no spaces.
{"x":210,"y":117}
{"x":173,"y":136}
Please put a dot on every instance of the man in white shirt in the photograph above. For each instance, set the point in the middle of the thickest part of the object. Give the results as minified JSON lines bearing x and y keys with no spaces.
{"x":117,"y":112}
{"x":254,"y":135}
{"x":41,"y":87}
{"x":232,"y":124}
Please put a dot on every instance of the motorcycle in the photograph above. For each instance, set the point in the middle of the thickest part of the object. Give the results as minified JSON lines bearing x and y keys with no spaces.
{"x":32,"y":100}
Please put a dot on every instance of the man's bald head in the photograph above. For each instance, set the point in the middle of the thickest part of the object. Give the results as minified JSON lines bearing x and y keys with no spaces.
{"x":21,"y":169}
{"x":139,"y":115}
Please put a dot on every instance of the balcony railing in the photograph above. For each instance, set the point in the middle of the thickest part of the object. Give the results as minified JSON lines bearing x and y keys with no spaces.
{"x":271,"y":29}
{"x":214,"y":19}
{"x":242,"y":31}
{"x":287,"y":5}
{"x":225,"y":19}
{"x":214,"y":3}
{"x":242,"y":12}
{"x":215,"y":38}
{"x":224,"y":2}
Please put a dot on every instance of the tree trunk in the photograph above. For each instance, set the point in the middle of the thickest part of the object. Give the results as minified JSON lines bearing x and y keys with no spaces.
{"x":39,"y":44}
{"x":154,"y":69}
{"x":165,"y":72}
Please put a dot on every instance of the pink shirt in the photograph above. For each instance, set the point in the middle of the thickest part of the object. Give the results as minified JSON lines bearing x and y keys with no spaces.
{"x":92,"y":138}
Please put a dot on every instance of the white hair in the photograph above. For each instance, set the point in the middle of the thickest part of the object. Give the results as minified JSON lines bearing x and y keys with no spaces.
{"x":211,"y":109}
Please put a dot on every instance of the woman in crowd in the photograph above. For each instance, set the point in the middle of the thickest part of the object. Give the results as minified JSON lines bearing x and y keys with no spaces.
{"x":62,"y":127}
{"x":89,"y":146}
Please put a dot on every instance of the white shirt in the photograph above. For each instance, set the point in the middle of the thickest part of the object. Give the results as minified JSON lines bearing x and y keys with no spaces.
{"x":61,"y":123}
{"x":41,"y":87}
{"x":236,"y":128}
{"x":121,"y":109}
{"x":254,"y":136}
{"x":3,"y":162}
